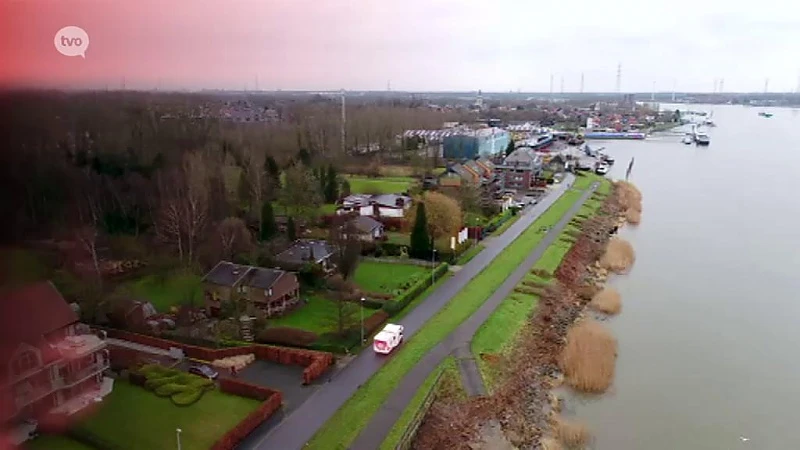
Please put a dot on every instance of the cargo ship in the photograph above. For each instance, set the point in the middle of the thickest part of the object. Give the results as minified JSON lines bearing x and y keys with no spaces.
{"x":609,"y":134}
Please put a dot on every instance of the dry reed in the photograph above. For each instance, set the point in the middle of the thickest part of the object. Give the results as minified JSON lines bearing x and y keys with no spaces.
{"x":571,"y":434}
{"x":588,"y":357}
{"x":607,"y":301}
{"x":619,"y":256}
{"x":633,"y":216}
{"x":629,"y":196}
{"x":549,"y":443}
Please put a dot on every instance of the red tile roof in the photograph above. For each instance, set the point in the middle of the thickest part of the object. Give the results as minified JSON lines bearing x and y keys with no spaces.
{"x":33,"y":311}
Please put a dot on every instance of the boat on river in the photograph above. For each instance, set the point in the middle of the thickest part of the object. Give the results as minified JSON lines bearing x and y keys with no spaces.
{"x":765,"y":114}
{"x":701,"y":138}
{"x":610,"y":134}
{"x":688,"y":139}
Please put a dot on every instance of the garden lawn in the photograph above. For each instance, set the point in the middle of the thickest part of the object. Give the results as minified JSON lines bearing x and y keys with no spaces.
{"x":134,"y":418}
{"x":176,"y":289}
{"x":396,"y":237}
{"x":318,"y":316}
{"x":380,"y":185}
{"x":386,"y":278}
{"x":55,"y":442}
{"x":20,"y":266}
{"x":340,"y":431}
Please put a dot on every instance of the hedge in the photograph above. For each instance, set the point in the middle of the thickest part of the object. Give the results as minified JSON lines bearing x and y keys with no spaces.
{"x":392,"y":307}
{"x":182,"y":388}
{"x":287,"y":336}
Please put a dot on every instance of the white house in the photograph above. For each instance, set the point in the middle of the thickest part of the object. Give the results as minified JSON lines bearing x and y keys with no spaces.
{"x":383,"y":205}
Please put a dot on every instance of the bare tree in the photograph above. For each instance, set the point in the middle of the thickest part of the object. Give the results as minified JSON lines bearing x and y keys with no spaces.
{"x":234,"y":237}
{"x":257,"y":178}
{"x":196,"y":202}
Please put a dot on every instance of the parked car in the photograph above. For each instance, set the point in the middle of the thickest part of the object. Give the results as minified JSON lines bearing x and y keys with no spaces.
{"x":388,"y":338}
{"x":204,"y":371}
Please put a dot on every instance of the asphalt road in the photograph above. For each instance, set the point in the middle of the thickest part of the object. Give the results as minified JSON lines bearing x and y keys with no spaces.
{"x":458,"y":344}
{"x":301,"y":425}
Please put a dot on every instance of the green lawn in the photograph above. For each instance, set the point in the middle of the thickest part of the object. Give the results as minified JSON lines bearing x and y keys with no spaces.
{"x":373,"y":276}
{"x":176,"y":289}
{"x":380,"y":185}
{"x":318,"y":316}
{"x":133,"y":418}
{"x":55,"y":442}
{"x":396,"y":237}
{"x":472,"y":219}
{"x":340,"y":431}
{"x":406,"y":419}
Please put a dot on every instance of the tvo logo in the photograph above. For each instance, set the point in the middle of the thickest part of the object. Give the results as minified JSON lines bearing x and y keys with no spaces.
{"x":71,"y":41}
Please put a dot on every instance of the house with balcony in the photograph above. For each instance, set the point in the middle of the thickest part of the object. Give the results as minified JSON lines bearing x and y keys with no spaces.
{"x":520,"y":169}
{"x":50,"y":364}
{"x":273,"y":291}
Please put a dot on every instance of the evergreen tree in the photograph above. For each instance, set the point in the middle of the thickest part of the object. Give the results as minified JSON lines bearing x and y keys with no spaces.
{"x":304,"y":157}
{"x":271,"y":168}
{"x":510,"y":148}
{"x":421,"y":246}
{"x":291,"y":231}
{"x":345,"y":188}
{"x":268,"y":227}
{"x":322,"y":177}
{"x":243,"y":190}
{"x":332,"y":186}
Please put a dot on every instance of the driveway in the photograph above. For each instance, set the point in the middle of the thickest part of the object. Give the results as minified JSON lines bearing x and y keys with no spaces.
{"x":299,"y":426}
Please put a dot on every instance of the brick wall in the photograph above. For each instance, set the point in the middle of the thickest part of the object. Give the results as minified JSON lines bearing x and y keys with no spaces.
{"x":315,"y":362}
{"x":271,"y":402}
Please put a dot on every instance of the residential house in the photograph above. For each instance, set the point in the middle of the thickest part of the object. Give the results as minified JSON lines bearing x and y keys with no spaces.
{"x":304,"y":251}
{"x":50,"y":364}
{"x":383,"y":205}
{"x":557,"y":163}
{"x":520,"y":169}
{"x":273,"y":291}
{"x":368,"y":229}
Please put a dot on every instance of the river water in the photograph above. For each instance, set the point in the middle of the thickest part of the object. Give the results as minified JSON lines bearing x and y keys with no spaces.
{"x":710,"y":327}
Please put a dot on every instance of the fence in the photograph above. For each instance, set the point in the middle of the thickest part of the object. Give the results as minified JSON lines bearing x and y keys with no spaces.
{"x":411,"y":431}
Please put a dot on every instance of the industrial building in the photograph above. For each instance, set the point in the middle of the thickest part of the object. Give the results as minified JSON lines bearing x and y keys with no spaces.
{"x":486,"y":142}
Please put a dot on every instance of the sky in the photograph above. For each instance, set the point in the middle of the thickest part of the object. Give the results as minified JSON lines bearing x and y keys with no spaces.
{"x":413,"y":45}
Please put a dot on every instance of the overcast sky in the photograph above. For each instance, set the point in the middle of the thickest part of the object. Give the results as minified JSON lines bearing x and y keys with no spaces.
{"x":497,"y":45}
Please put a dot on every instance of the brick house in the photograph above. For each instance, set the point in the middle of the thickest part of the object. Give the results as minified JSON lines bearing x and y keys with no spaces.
{"x":520,"y":169}
{"x":271,"y":290}
{"x":50,"y":364}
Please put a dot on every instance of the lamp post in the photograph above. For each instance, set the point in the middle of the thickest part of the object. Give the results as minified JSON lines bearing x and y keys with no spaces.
{"x":433,"y":262}
{"x":178,"y":435}
{"x":361,"y":309}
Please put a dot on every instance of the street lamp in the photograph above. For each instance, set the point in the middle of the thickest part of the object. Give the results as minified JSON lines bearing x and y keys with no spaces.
{"x":178,"y":434}
{"x":361,"y":309}
{"x":433,"y":263}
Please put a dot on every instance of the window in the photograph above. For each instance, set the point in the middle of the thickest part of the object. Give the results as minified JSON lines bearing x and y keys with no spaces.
{"x":25,"y":362}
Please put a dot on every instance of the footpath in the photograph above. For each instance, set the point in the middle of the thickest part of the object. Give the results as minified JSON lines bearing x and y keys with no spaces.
{"x":458,"y":344}
{"x":299,"y":426}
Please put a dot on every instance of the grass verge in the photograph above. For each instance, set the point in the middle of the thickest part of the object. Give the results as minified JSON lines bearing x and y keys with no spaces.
{"x":497,"y":335}
{"x":340,"y":431}
{"x":469,"y":254}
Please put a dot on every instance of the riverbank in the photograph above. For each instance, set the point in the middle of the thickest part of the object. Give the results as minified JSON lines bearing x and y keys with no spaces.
{"x":521,"y":404}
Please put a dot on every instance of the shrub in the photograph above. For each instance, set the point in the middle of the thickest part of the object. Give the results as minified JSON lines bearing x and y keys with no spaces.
{"x":402,"y":300}
{"x":571,"y":434}
{"x":169,"y":389}
{"x":187,"y":397}
{"x":287,"y":336}
{"x":607,"y":301}
{"x":619,"y":256}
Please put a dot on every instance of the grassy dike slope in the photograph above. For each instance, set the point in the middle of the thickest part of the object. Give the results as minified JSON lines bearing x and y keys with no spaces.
{"x":497,"y":335}
{"x":340,"y":431}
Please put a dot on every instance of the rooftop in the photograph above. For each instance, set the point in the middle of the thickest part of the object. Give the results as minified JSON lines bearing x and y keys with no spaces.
{"x":229,"y":274}
{"x":302,"y":251}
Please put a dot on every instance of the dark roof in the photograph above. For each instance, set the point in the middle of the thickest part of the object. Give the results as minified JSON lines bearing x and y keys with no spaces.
{"x":301,"y":250}
{"x":33,"y":311}
{"x":262,"y":278}
{"x":226,"y":273}
{"x":229,"y":274}
{"x":365,"y":224}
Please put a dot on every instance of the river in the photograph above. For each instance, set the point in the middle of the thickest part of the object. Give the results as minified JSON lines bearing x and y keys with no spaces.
{"x":709,"y":331}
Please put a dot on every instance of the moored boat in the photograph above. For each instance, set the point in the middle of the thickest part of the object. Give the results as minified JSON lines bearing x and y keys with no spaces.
{"x":701,"y":138}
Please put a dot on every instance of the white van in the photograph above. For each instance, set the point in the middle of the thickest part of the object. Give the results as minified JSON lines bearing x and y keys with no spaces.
{"x":388,"y":338}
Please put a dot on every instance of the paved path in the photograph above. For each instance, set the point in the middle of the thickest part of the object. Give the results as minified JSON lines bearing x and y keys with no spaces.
{"x":301,"y":425}
{"x":458,"y":344}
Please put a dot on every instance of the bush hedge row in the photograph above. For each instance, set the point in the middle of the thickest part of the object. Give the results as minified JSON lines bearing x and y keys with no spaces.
{"x":182,"y":388}
{"x":392,"y":307}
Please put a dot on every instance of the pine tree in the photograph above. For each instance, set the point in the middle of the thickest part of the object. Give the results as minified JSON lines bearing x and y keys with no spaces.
{"x":510,"y":148}
{"x":291,"y":231}
{"x":268,"y":227}
{"x":332,"y":186}
{"x":421,"y":246}
{"x":345,"y":188}
{"x":243,"y":190}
